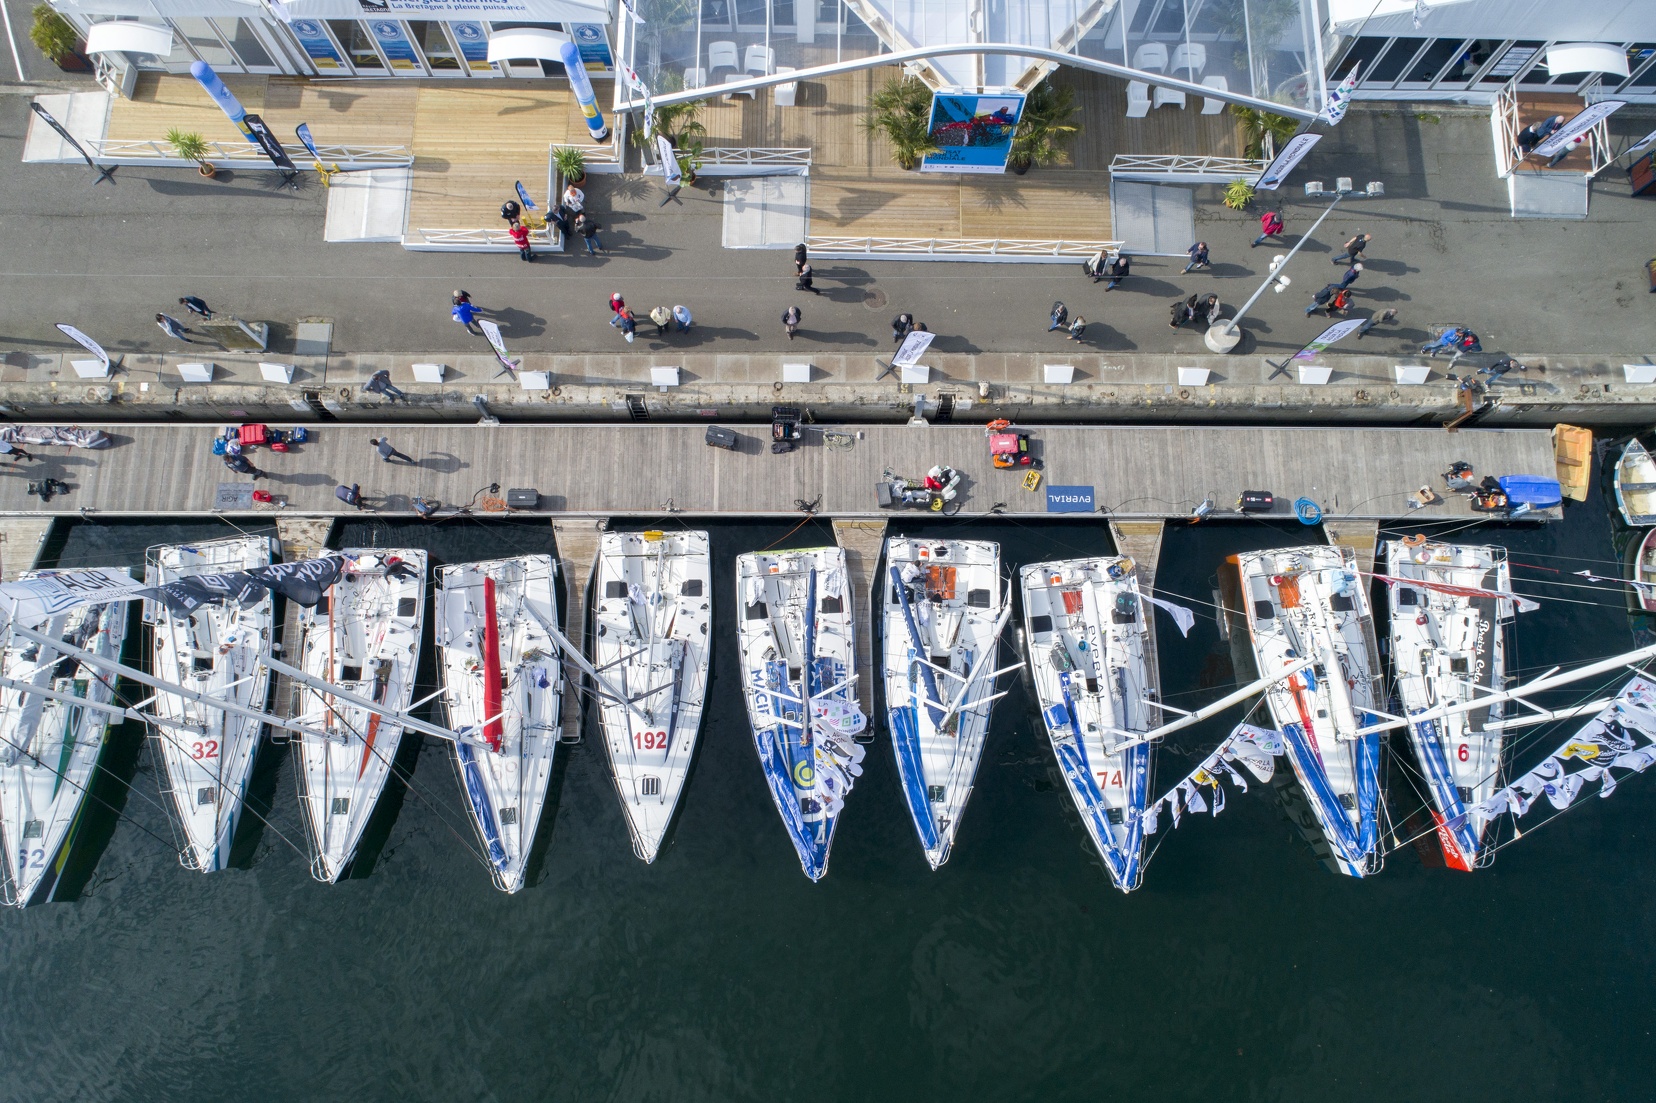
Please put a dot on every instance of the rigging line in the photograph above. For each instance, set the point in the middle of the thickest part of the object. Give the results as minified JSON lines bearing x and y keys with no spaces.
{"x":809,"y":517}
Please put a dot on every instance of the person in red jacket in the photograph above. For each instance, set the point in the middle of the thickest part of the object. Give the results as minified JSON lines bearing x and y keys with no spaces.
{"x":520,"y":237}
{"x":1271,"y":223}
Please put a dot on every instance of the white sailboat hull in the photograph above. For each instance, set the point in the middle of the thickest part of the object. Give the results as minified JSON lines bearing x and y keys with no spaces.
{"x":49,"y":750}
{"x":940,"y":632}
{"x":652,"y":625}
{"x":213,"y":650}
{"x":799,"y":657}
{"x":1087,"y":633}
{"x":504,"y":697}
{"x":364,"y":638}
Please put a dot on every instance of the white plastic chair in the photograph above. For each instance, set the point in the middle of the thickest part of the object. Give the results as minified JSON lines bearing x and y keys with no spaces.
{"x":1191,"y":56}
{"x":1138,"y":99}
{"x":785,"y":93}
{"x":722,"y":55}
{"x":1212,"y":106}
{"x":1164,"y":96}
{"x":761,"y":60}
{"x":1151,"y":57}
{"x":695,"y":78}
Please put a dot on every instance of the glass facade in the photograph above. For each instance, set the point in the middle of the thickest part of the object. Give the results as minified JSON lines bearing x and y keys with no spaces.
{"x":1476,"y":68}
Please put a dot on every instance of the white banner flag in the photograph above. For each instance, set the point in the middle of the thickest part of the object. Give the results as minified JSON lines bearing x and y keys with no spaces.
{"x":85,"y":342}
{"x":914,"y":346}
{"x":669,"y":161}
{"x":1328,"y":336}
{"x":492,"y":332}
{"x":1286,"y":161}
{"x":33,"y":600}
{"x":1581,"y":124}
{"x":1184,"y":618}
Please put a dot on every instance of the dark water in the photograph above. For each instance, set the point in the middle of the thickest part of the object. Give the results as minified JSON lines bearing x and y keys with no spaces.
{"x":1242,"y":970}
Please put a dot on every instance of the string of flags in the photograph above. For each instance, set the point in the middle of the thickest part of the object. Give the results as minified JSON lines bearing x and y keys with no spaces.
{"x":1254,"y":747}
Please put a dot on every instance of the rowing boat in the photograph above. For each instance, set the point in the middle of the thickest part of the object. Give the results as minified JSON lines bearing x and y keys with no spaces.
{"x":503,"y":690}
{"x":1572,"y":458}
{"x":797,"y":645}
{"x":653,"y":620}
{"x":945,"y":607}
{"x":213,"y":649}
{"x":1635,"y":485}
{"x":1087,"y":637}
{"x":364,"y":638}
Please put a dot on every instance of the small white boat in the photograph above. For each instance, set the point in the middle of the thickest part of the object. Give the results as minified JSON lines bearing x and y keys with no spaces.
{"x":799,"y":674}
{"x":1635,"y":485}
{"x":49,"y":749}
{"x":945,"y":607}
{"x":1311,"y":602}
{"x":1448,"y":648}
{"x":213,"y":649}
{"x":363,"y":637}
{"x":1086,"y":631}
{"x":503,"y":689}
{"x":1641,"y":571}
{"x":652,"y":623}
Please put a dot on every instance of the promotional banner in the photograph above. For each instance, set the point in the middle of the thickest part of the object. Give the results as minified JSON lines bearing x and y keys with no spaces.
{"x":1641,"y":143}
{"x":262,"y":136}
{"x":636,"y":84}
{"x":393,"y":41}
{"x":252,"y":127}
{"x":1069,"y":499}
{"x":1255,"y":748}
{"x":972,"y":133}
{"x":85,"y":342}
{"x":523,"y":194}
{"x":474,"y":45}
{"x":914,"y":346}
{"x":1339,"y":98}
{"x":303,"y":130}
{"x":46,"y":116}
{"x":669,"y":161}
{"x":492,"y":332}
{"x":1560,"y":139}
{"x":33,"y":600}
{"x":1328,"y":336}
{"x":593,"y":45}
{"x":582,"y":87}
{"x":313,"y":37}
{"x":1286,"y":161}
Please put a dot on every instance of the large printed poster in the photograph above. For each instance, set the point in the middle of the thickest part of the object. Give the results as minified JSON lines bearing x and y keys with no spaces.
{"x":972,"y":133}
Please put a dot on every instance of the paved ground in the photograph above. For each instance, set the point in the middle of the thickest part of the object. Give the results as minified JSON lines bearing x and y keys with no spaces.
{"x":1446,"y":250}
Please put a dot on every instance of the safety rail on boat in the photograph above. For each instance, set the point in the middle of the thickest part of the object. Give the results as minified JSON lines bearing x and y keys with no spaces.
{"x":1168,"y":168}
{"x":481,"y":240}
{"x":159,"y":153}
{"x":606,"y":158}
{"x":929,"y":248}
{"x":748,"y":161}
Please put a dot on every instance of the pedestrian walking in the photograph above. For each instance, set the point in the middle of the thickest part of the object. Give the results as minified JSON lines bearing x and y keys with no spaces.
{"x":1501,"y":367}
{"x":466,"y":314}
{"x":1198,"y":257}
{"x":1059,"y":316}
{"x":628,"y":325}
{"x":510,"y":211}
{"x":1373,"y":320}
{"x":196,"y":305}
{"x":1208,"y":310}
{"x":805,"y":280}
{"x":1321,"y":299}
{"x":519,"y":233}
{"x":350,"y":495}
{"x":616,"y":304}
{"x":588,"y":228}
{"x":663,"y":318}
{"x":790,"y":321}
{"x":380,"y":383}
{"x":801,"y":255}
{"x":901,"y":327}
{"x":1120,"y":268}
{"x":7,"y":448}
{"x":241,"y":465}
{"x":574,"y":198}
{"x":1351,"y":274}
{"x":1184,"y":310}
{"x":1354,"y":249}
{"x":388,"y":453}
{"x":172,"y":328}
{"x":1077,"y":328}
{"x":681,"y":315}
{"x":1270,"y":225}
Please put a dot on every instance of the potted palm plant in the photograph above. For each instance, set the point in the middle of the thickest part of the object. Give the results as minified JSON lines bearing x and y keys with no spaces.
{"x":1257,"y":126}
{"x":58,"y":39}
{"x":1045,"y":127}
{"x":900,"y":112}
{"x":571,"y":164}
{"x":192,"y":147}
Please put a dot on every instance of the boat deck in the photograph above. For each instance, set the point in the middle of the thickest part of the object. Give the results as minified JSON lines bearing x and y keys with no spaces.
{"x":645,"y":469}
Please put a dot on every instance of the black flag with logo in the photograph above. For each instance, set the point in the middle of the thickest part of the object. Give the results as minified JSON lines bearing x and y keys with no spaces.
{"x":184,"y":596}
{"x":305,"y":581}
{"x":267,"y":141}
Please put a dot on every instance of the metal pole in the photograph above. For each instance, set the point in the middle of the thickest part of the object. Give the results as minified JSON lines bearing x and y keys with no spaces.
{"x":1231,"y":327}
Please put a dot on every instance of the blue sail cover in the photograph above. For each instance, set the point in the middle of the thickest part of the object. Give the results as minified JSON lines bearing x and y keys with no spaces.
{"x":482,"y":811}
{"x":905,"y":726}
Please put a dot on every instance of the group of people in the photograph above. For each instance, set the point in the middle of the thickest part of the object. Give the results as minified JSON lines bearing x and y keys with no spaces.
{"x":569,"y":216}
{"x":666,"y":321}
{"x":175,"y":329}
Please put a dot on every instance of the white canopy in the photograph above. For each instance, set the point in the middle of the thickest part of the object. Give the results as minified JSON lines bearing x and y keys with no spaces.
{"x":529,"y":11}
{"x":1586,"y":57}
{"x":1567,"y":20}
{"x":525,"y":42}
{"x":129,"y":37}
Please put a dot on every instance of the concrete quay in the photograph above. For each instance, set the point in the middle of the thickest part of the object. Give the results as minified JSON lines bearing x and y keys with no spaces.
{"x":1107,"y":388}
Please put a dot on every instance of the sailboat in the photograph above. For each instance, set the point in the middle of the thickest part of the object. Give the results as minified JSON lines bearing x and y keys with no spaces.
{"x":49,"y":746}
{"x":1309,"y":602}
{"x":364,"y":638}
{"x":503,"y":689}
{"x":1087,"y":639}
{"x":1448,"y":618}
{"x":213,"y":649}
{"x":945,"y":608}
{"x":653,"y":620}
{"x":1635,"y":485}
{"x":799,"y":676}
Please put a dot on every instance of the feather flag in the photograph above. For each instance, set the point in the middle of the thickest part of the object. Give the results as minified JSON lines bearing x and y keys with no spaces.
{"x":1339,"y":98}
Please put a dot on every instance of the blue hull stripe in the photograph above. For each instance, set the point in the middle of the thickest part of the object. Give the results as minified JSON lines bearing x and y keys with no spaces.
{"x":1342,"y":836}
{"x":1429,"y":744}
{"x":905,"y":741}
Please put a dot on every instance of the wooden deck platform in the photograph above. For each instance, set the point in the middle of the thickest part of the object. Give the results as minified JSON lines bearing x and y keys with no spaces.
{"x":857,"y":190}
{"x":647,"y":469}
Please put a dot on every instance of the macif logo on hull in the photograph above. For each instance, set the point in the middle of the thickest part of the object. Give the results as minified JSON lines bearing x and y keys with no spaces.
{"x":1069,"y":499}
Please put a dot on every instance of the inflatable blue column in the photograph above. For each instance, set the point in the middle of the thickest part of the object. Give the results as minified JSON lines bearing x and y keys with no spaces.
{"x":582,"y":87}
{"x":222,"y":96}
